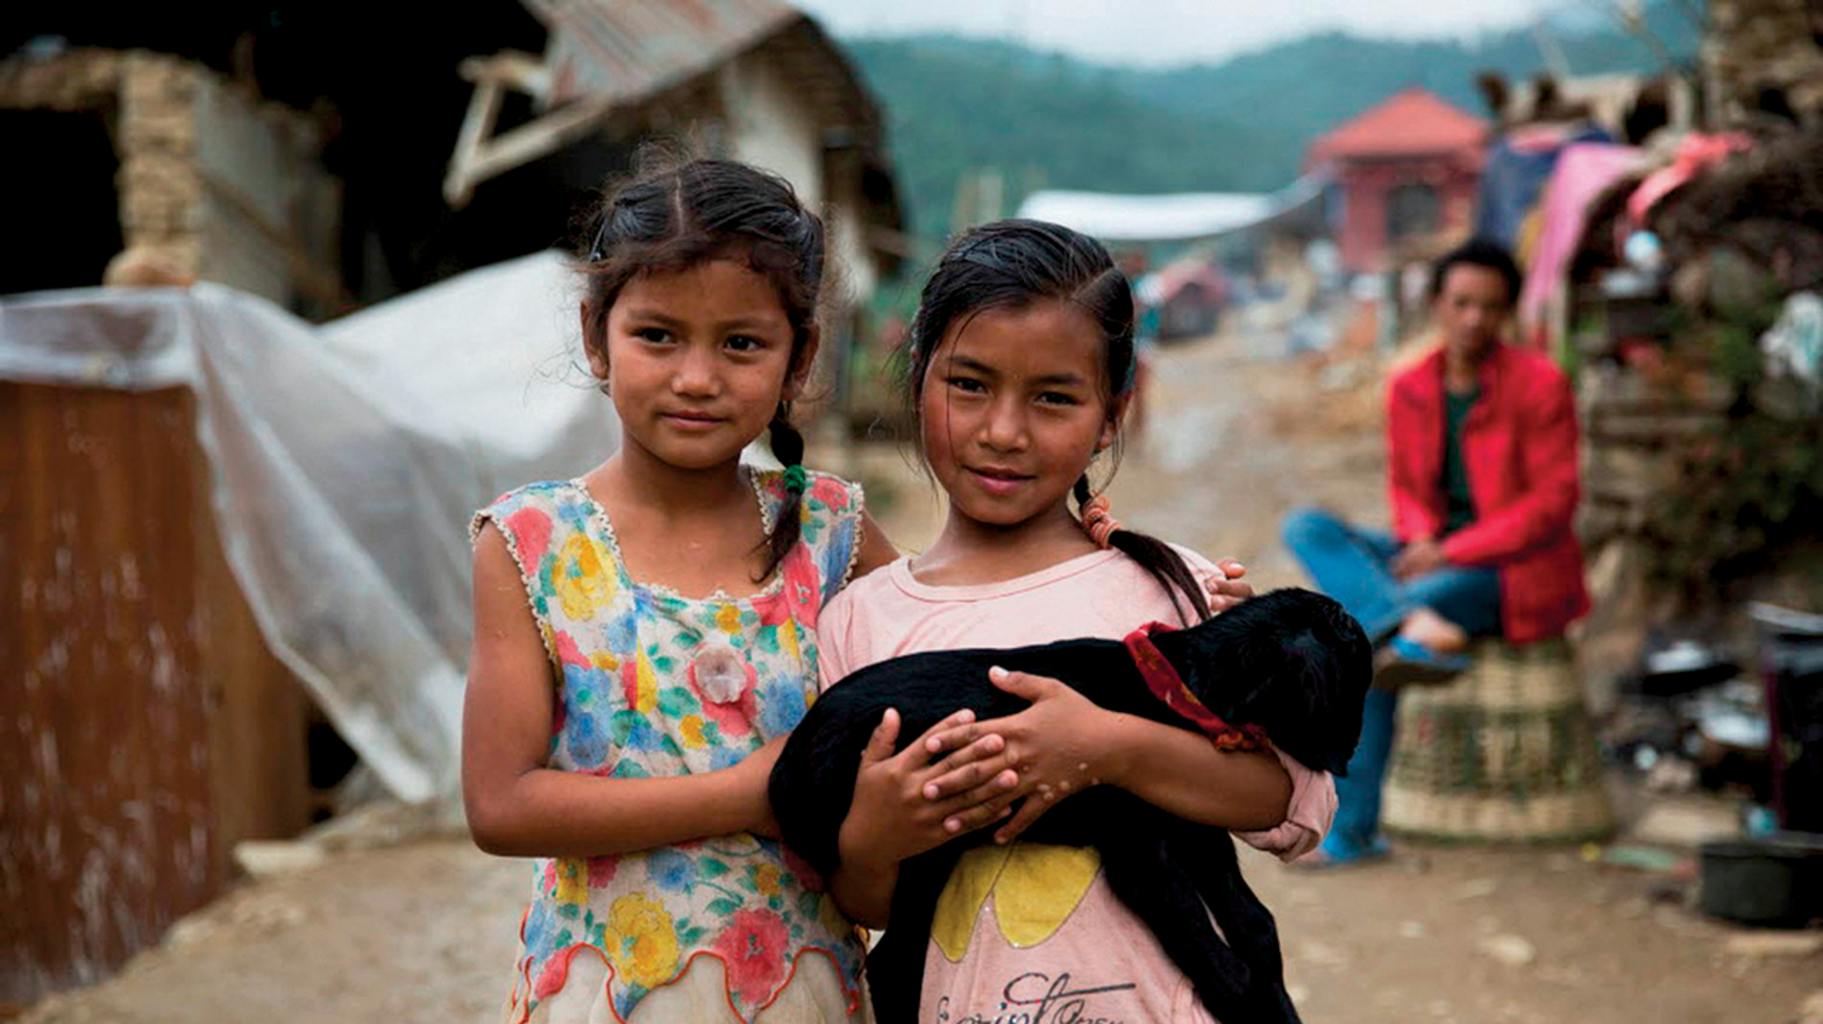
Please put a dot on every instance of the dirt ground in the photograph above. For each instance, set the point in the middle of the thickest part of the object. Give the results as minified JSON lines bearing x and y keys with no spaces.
{"x":425,"y":931}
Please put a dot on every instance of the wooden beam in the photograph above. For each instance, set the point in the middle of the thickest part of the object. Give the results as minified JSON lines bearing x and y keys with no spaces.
{"x":486,"y":157}
{"x":477,"y":126}
{"x":521,"y":71}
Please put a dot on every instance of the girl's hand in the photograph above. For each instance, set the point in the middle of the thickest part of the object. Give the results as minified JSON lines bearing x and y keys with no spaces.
{"x":897,"y":814}
{"x":1225,"y":593}
{"x":1056,"y":747}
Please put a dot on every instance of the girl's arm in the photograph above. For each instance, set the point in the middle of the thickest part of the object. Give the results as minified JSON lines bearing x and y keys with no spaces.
{"x":1181,"y":772}
{"x":863,"y":889}
{"x":1064,"y":743}
{"x":518,"y":807}
{"x":876,"y":550}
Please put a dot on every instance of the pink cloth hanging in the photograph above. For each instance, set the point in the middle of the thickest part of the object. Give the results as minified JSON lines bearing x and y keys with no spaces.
{"x":1583,"y":171}
{"x":1695,"y":154}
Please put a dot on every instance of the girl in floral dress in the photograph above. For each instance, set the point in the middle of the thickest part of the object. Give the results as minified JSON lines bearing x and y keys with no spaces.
{"x":645,"y":633}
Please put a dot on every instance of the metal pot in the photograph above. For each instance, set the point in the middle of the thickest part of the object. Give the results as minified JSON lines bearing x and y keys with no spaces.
{"x":1771,"y":880}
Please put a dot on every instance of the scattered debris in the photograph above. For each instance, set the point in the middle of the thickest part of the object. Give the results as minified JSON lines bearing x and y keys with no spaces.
{"x":1685,"y":824}
{"x":268,"y":858}
{"x":1512,"y":950}
{"x":1670,"y":774}
{"x":1759,"y":945}
{"x":1676,"y":891}
{"x":1640,"y":858}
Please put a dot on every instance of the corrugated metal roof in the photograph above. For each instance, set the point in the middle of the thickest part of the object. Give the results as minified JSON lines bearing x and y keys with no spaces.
{"x":625,"y":51}
{"x":618,"y":53}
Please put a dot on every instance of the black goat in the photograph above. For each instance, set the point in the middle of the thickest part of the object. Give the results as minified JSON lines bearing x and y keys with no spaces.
{"x":1291,"y":664}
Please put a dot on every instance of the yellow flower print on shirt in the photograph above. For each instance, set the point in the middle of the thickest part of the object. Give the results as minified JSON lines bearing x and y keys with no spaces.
{"x":646,"y":698}
{"x":788,"y":640}
{"x":641,"y":940}
{"x":1035,"y":889}
{"x":691,"y":729}
{"x":728,"y":618}
{"x":766,"y":879}
{"x":572,"y":880}
{"x":582,"y":576}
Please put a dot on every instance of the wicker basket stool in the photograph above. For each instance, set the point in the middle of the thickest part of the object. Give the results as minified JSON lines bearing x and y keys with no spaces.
{"x":1504,"y":752}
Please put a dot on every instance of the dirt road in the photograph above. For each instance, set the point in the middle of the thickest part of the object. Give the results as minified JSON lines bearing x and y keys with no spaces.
{"x":425,"y":932}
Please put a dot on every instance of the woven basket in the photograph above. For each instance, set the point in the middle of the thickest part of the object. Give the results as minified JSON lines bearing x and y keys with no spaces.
{"x":1505,"y":752}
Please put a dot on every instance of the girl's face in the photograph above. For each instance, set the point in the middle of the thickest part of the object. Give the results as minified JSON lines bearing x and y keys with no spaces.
{"x":1013,"y":410}
{"x":698,"y":360}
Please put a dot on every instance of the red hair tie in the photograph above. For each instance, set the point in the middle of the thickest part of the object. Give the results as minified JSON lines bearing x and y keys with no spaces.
{"x":1100,"y":523}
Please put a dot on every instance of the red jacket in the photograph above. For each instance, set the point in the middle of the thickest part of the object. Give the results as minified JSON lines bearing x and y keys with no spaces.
{"x":1519,"y":449}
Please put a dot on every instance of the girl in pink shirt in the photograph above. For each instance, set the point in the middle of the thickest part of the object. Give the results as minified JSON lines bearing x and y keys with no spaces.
{"x":1021,"y":367}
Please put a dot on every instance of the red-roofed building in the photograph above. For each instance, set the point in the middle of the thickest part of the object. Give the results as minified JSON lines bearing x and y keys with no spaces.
{"x":1407,"y":170}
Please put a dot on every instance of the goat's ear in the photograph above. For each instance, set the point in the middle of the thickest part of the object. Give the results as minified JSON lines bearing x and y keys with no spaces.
{"x":1271,"y":662}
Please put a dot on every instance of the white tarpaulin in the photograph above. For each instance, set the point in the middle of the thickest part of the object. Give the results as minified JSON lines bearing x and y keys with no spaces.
{"x":1179,"y":216}
{"x":346,"y":460}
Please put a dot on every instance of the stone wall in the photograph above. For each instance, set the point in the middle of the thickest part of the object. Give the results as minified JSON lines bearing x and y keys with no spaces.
{"x":214,"y":184}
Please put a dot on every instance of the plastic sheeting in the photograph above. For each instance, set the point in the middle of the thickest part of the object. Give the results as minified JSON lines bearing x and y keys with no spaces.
{"x":1174,"y":217}
{"x":346,"y":461}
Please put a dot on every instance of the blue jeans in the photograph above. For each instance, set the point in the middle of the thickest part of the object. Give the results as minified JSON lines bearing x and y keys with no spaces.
{"x":1353,"y":565}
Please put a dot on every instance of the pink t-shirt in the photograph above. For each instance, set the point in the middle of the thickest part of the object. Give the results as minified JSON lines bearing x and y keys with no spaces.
{"x":1030,"y":928}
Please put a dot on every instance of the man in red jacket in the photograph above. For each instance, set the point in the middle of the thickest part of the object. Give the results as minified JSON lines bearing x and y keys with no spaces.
{"x":1483,"y":481}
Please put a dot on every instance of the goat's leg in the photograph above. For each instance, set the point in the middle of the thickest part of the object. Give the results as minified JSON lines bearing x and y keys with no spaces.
{"x":1166,"y":900}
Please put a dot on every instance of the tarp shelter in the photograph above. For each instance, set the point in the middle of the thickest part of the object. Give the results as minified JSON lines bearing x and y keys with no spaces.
{"x":1176,"y":217}
{"x":1189,"y":295}
{"x":345,"y":460}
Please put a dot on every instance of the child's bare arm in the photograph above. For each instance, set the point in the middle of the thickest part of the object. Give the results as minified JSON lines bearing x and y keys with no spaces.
{"x":519,"y":807}
{"x":1182,"y":772}
{"x":876,"y":550}
{"x":863,"y":890}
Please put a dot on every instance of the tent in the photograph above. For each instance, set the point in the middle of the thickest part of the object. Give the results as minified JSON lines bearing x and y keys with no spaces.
{"x":344,"y":461}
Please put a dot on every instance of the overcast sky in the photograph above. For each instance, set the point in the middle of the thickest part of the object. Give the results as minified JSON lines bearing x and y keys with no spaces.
{"x":1176,"y":31}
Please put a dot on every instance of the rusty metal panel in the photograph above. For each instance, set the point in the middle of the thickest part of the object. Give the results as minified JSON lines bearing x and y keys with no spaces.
{"x":626,"y":51}
{"x":142,"y":725}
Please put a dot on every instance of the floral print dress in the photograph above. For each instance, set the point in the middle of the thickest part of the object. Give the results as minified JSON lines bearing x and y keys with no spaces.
{"x":651,"y":683}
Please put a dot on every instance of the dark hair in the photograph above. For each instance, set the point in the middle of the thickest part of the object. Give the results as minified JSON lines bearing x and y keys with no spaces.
{"x":1011,"y":264}
{"x":1479,"y":252}
{"x":674,"y":215}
